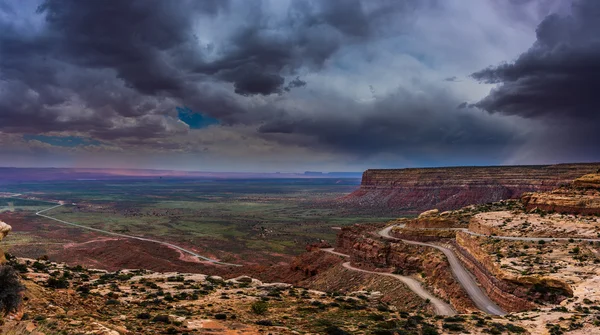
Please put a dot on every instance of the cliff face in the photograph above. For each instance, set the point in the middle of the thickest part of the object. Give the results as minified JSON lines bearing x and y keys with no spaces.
{"x":510,"y":292}
{"x":581,"y":197}
{"x":416,"y":190}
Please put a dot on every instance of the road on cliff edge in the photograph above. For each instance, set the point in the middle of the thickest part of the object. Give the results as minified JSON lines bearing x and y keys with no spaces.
{"x":440,"y":307}
{"x":210,"y":260}
{"x":466,"y":280}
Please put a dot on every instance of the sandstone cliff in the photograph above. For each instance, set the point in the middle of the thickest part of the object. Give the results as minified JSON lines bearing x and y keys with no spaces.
{"x":581,"y":197}
{"x":511,"y":292}
{"x":416,"y":190}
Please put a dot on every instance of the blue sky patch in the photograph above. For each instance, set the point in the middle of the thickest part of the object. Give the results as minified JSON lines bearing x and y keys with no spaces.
{"x":195,"y":120}
{"x":62,"y":141}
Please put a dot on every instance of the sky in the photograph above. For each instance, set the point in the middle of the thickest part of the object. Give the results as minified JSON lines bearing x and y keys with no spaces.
{"x":286,"y":85}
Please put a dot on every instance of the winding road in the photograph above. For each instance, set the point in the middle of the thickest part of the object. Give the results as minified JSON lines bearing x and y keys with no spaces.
{"x":466,"y":280}
{"x":440,"y":307}
{"x":510,"y":238}
{"x":210,"y":260}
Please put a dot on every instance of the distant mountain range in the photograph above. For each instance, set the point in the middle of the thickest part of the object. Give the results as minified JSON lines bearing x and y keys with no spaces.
{"x":23,"y":174}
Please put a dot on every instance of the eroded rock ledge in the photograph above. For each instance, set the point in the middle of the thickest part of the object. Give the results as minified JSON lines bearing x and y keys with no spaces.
{"x":581,"y":197}
{"x":510,"y":292}
{"x":417,"y":190}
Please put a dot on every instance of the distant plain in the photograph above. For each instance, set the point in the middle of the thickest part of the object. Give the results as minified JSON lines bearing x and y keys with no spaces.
{"x":238,"y":220}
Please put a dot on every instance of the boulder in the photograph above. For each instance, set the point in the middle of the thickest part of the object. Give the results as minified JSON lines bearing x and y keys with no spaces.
{"x":245,"y":280}
{"x":431,"y":212}
{"x":275,"y":286}
{"x":4,"y":230}
{"x":215,"y":279}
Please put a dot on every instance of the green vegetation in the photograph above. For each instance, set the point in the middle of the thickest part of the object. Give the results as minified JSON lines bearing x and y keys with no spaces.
{"x":244,"y":218}
{"x":259,"y":307}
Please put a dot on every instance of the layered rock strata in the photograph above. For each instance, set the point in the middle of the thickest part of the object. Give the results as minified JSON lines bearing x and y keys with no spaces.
{"x":512,"y":293}
{"x":416,"y":190}
{"x":581,"y":197}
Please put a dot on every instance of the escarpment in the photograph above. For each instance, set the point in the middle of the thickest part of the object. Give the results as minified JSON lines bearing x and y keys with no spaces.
{"x":581,"y":197}
{"x":415,"y":190}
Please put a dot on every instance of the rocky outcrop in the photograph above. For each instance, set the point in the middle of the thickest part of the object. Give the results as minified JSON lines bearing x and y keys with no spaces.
{"x":4,"y":230}
{"x":510,"y":292}
{"x":416,"y":190}
{"x":433,"y":220}
{"x":422,"y":235}
{"x":581,"y":197}
{"x":588,"y":181}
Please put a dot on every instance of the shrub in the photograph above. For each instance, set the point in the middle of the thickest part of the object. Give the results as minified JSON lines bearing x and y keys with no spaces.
{"x":259,"y":307}
{"x":39,"y":266}
{"x":334,"y":330}
{"x":20,"y":267}
{"x":267,"y":323}
{"x":376,"y":317}
{"x":143,"y":316}
{"x":453,"y":327}
{"x":10,"y":290}
{"x":161,"y":318}
{"x":57,"y":282}
{"x":429,"y":330}
{"x":221,"y":316}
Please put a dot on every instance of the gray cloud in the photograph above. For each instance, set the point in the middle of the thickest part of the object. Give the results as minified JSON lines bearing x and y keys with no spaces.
{"x":295,"y":74}
{"x":128,"y":59}
{"x":555,"y":83}
{"x":557,"y":76}
{"x":403,"y":123}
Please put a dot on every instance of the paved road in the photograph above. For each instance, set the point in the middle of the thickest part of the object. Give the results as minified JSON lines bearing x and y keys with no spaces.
{"x":512,"y":238}
{"x":466,"y":280}
{"x":440,"y":307}
{"x":533,"y":239}
{"x":214,"y":261}
{"x":332,"y":251}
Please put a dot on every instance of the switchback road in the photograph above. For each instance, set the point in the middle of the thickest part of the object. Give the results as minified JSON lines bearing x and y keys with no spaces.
{"x":466,"y":280}
{"x":440,"y":307}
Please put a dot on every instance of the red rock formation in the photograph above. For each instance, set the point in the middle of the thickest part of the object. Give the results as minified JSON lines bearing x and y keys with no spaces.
{"x":581,"y":197}
{"x":416,"y":190}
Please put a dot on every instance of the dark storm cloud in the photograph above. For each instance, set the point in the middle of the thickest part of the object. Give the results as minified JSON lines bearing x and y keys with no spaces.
{"x":403,"y":123}
{"x":138,"y":59}
{"x":263,"y":51}
{"x":132,"y":37}
{"x":558,"y":76}
{"x":294,"y":84}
